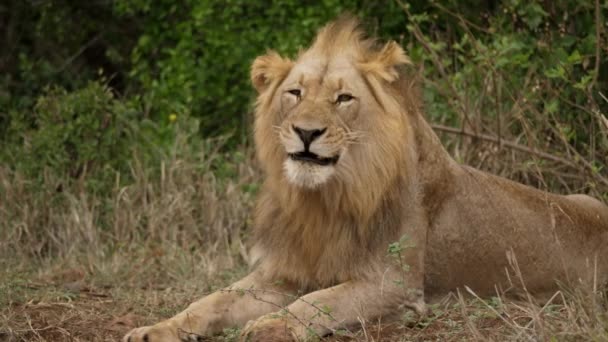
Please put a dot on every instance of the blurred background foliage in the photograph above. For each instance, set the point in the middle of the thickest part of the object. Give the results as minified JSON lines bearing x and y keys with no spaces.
{"x":85,"y":85}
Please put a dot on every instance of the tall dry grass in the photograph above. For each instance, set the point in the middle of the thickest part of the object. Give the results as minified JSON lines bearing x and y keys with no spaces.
{"x":176,"y":219}
{"x":180,"y":223}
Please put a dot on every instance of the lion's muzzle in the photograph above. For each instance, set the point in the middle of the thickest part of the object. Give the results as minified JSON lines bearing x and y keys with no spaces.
{"x":313,"y":150}
{"x":309,"y":155}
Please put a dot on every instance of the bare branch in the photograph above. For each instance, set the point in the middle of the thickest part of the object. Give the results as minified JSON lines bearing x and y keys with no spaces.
{"x":598,"y":38}
{"x":506,"y":143}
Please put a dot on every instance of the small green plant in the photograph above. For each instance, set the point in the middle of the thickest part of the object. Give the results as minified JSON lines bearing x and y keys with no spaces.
{"x":230,"y":335}
{"x":396,"y":249}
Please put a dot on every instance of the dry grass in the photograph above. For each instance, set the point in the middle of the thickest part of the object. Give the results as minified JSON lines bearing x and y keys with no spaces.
{"x":82,"y":266}
{"x":78,"y":266}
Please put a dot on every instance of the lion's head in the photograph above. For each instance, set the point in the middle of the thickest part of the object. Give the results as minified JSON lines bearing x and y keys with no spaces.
{"x":334,"y":117}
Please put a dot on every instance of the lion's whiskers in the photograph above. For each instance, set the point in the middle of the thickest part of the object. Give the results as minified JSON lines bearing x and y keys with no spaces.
{"x":355,"y":137}
{"x":356,"y":134}
{"x":278,"y":131}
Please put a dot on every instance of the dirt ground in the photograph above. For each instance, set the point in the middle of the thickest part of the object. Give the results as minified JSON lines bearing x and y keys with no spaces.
{"x":63,"y":306}
{"x":97,"y":315}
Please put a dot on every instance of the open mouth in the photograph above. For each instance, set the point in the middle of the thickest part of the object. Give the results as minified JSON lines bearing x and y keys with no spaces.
{"x":310,"y":157}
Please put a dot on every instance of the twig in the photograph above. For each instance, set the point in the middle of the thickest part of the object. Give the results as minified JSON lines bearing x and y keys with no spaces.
{"x":256,"y":297}
{"x":463,"y":310}
{"x":513,"y":324}
{"x":253,"y":291}
{"x":78,"y":53}
{"x":363,"y":327}
{"x":598,"y":38}
{"x":460,"y":17}
{"x":506,"y":143}
{"x":440,"y":67}
{"x":603,"y":120}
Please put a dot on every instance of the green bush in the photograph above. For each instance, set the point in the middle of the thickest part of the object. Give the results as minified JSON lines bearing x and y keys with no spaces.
{"x":197,"y":54}
{"x":516,"y":73}
{"x":515,"y":40}
{"x":496,"y":67}
{"x":73,"y":134}
{"x":64,"y":43}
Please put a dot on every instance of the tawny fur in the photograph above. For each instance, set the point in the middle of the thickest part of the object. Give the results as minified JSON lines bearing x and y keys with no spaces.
{"x":329,"y":239}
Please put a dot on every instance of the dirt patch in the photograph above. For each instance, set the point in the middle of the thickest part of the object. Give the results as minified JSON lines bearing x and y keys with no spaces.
{"x":88,"y":316}
{"x":51,"y":313}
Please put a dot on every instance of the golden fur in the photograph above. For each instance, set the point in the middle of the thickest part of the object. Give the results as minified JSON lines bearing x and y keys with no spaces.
{"x":322,"y":228}
{"x":312,"y":235}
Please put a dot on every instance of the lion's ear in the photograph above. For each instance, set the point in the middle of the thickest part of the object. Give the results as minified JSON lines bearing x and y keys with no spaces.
{"x":268,"y":68}
{"x":384,"y":63}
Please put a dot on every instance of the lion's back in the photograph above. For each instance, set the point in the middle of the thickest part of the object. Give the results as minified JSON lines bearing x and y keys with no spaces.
{"x":492,"y":225}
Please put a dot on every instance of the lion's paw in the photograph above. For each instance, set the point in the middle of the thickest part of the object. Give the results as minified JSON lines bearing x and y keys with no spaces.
{"x":160,"y":333}
{"x":268,"y":329}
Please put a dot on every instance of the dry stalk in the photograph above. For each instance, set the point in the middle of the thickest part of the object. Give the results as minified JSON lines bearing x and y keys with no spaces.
{"x":463,"y":310}
{"x":509,"y":144}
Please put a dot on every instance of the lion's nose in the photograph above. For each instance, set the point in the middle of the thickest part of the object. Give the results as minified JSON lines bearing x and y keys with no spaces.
{"x":308,"y":135}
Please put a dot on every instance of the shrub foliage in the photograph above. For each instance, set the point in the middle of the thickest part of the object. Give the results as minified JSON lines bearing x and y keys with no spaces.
{"x":82,"y":81}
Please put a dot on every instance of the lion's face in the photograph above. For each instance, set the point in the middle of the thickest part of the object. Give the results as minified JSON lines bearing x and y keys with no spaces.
{"x":319,"y":124}
{"x":327,"y":116}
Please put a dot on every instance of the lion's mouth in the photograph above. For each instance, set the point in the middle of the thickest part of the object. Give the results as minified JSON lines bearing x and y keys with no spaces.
{"x":309,"y":157}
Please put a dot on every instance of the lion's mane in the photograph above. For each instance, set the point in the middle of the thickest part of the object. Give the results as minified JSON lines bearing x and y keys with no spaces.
{"x":320,"y":236}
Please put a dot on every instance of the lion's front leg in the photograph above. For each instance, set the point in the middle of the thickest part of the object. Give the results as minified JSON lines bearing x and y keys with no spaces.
{"x":247,"y":299}
{"x":343,"y":306}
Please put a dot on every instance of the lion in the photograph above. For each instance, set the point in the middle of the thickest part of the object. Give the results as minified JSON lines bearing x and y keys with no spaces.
{"x":351,"y":166}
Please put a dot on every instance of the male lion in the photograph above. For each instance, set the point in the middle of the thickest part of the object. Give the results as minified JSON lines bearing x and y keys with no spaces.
{"x":352,"y":166}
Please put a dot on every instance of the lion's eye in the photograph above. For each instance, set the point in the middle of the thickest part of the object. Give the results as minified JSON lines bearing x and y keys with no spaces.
{"x":296,"y":92}
{"x":344,"y":98}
